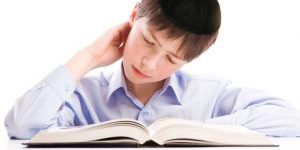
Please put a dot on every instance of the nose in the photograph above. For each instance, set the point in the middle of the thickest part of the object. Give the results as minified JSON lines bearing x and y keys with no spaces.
{"x":150,"y":62}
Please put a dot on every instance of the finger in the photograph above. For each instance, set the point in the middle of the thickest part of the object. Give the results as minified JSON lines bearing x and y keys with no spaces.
{"x":121,"y":33}
{"x":124,"y":31}
{"x":122,"y":46}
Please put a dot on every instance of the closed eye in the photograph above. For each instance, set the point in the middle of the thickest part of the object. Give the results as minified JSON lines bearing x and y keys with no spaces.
{"x":147,"y":41}
{"x":170,"y":59}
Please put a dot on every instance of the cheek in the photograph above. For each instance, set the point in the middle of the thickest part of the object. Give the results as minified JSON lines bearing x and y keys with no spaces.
{"x":133,"y":49}
{"x":165,"y":72}
{"x":129,"y":48}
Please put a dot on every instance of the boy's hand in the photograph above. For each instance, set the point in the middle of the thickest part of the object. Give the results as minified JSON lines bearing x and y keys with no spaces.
{"x":107,"y":49}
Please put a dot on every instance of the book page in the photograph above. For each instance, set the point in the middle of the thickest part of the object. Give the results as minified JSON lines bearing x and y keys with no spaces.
{"x":115,"y":128}
{"x":164,"y":122}
{"x":165,"y":131}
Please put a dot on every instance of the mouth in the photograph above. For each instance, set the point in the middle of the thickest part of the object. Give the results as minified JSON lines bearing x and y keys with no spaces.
{"x":139,"y":73}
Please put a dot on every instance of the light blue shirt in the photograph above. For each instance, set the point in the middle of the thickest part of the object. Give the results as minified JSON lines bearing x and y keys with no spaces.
{"x":57,"y":101}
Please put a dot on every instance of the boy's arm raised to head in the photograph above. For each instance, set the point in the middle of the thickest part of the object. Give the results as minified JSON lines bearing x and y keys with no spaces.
{"x":47,"y":104}
{"x":107,"y":49}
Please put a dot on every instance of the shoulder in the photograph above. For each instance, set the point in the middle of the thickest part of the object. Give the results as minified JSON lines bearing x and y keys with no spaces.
{"x":93,"y":82}
{"x":202,"y":80}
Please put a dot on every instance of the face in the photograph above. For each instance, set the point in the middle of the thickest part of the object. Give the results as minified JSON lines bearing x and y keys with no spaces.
{"x":148,"y":55}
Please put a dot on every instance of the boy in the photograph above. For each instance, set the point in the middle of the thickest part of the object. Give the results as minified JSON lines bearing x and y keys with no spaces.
{"x":159,"y":38}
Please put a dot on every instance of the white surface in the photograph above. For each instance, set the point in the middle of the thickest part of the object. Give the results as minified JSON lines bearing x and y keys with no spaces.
{"x":285,"y":144}
{"x":258,"y":44}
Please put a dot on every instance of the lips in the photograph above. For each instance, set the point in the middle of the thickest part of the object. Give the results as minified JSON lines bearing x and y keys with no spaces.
{"x":139,"y":73}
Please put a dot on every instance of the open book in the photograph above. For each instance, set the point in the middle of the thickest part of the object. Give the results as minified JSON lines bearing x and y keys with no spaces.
{"x":163,"y":132}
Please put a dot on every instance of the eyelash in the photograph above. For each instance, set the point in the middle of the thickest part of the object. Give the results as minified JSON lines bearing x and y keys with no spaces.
{"x":148,"y":42}
{"x":168,"y":57}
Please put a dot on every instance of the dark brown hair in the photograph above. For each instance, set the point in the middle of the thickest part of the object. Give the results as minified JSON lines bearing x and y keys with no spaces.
{"x":192,"y":44}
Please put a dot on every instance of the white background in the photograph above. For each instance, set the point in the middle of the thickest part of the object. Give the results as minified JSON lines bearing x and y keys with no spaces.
{"x":258,"y":44}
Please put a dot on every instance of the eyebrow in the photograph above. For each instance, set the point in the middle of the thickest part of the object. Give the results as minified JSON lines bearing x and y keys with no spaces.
{"x":155,"y":39}
{"x":175,"y":56}
{"x":153,"y":36}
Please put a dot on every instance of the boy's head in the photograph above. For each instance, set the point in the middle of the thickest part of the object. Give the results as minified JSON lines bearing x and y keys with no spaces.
{"x":195,"y":21}
{"x":165,"y":34}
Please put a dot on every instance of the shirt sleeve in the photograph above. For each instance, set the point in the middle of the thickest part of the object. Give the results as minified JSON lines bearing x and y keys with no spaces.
{"x":39,"y":107}
{"x":256,"y":110}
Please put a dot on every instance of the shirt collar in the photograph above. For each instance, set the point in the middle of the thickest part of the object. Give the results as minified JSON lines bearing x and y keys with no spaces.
{"x":116,"y":82}
{"x":174,"y":84}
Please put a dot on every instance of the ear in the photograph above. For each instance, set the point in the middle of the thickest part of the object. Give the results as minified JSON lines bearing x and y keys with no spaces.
{"x":133,"y":15}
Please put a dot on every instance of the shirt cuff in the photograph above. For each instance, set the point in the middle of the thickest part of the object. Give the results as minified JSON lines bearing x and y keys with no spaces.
{"x":62,"y":82}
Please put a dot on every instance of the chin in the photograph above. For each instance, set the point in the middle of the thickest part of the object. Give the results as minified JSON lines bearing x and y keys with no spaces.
{"x":138,"y":81}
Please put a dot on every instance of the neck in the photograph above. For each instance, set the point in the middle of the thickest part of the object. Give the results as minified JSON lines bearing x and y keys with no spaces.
{"x":144,"y":91}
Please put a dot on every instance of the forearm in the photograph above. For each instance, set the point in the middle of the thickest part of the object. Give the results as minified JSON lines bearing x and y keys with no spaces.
{"x":271,"y":120}
{"x":256,"y":110}
{"x":80,"y":64}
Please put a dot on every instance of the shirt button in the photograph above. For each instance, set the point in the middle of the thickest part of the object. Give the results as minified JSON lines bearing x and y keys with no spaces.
{"x":145,"y":113}
{"x":68,"y":91}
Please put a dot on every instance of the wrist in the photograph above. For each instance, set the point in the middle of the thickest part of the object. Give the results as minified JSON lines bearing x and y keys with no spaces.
{"x":80,"y":64}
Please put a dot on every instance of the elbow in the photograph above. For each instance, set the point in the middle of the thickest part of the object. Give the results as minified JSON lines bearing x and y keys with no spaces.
{"x":18,"y":129}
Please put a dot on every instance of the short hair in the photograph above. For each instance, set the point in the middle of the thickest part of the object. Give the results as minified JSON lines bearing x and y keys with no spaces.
{"x":197,"y":22}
